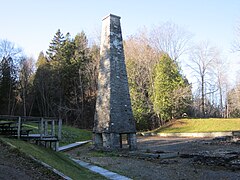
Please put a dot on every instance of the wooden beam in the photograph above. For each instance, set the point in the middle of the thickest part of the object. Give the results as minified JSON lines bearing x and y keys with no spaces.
{"x":59,"y":129}
{"x":45,"y":127}
{"x":42,"y":129}
{"x":19,"y":127}
{"x":53,"y":128}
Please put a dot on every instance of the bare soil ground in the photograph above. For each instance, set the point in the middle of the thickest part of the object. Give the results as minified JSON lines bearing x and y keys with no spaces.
{"x":15,"y":165}
{"x":194,"y":159}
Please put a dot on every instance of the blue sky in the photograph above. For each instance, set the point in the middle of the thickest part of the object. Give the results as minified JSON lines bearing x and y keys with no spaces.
{"x":32,"y":24}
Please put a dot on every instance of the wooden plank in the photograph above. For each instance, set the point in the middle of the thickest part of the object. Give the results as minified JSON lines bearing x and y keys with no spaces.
{"x":45,"y":127}
{"x":19,"y":128}
{"x":60,"y":129}
{"x":42,"y":128}
{"x":6,"y":117}
{"x":53,"y":128}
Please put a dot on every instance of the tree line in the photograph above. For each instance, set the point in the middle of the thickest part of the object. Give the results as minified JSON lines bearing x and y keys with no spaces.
{"x":62,"y":82}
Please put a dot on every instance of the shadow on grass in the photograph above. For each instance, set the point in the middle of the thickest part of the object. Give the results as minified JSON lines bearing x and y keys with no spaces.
{"x":173,"y":126}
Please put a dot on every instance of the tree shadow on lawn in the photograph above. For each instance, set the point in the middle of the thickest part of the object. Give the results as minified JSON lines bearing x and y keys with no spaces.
{"x":173,"y":126}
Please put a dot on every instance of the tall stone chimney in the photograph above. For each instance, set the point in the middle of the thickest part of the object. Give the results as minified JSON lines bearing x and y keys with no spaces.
{"x":113,"y":116}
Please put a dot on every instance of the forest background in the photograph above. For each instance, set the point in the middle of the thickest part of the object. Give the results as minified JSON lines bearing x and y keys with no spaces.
{"x":171,"y":72}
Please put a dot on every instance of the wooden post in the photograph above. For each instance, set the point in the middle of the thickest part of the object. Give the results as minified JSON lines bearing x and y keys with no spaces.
{"x":56,"y":145}
{"x":59,"y":129}
{"x":46,"y":127}
{"x":39,"y":126}
{"x":53,"y":128}
{"x":19,"y":128}
{"x":42,"y":129}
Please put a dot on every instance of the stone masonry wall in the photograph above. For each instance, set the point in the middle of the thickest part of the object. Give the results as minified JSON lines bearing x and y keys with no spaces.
{"x":113,"y":106}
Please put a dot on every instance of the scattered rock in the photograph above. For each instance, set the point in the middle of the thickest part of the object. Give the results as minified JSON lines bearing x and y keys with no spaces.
{"x":226,"y":159}
{"x":147,"y":162}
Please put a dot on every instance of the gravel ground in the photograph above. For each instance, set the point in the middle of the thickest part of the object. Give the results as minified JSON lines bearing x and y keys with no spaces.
{"x":138,"y":167}
{"x":17,"y":166}
{"x":14,"y":165}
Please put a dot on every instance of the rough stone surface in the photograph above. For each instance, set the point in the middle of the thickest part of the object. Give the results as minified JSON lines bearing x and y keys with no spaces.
{"x":113,"y":115}
{"x":132,"y":141}
{"x":228,"y":159}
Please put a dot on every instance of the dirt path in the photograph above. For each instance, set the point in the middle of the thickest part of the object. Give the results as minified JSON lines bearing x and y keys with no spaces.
{"x":138,"y":167}
{"x":15,"y":165}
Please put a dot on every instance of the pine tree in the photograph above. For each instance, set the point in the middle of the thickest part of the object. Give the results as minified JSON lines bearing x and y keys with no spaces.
{"x":70,"y":68}
{"x":8,"y":86}
{"x":55,"y":46}
{"x":168,"y":82}
{"x":42,"y":60}
{"x":42,"y":87}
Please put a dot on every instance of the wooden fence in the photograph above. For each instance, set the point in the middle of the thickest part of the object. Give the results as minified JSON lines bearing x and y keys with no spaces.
{"x":45,"y":129}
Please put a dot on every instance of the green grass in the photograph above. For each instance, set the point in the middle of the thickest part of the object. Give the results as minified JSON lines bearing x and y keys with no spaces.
{"x":55,"y":159}
{"x":69,"y":134}
{"x":72,"y":135}
{"x":200,"y":125}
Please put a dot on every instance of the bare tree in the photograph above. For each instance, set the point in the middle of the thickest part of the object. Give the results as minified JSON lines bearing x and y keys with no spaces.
{"x":9,"y":65}
{"x":201,"y":63}
{"x":222,"y":82}
{"x":140,"y":60}
{"x":9,"y":49}
{"x":26,"y":71}
{"x":171,"y":39}
{"x":233,"y":102}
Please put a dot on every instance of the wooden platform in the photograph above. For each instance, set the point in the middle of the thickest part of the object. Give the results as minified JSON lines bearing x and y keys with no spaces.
{"x":49,"y":129}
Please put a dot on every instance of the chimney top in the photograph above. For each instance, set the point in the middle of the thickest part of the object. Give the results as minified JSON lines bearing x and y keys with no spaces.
{"x":111,"y":15}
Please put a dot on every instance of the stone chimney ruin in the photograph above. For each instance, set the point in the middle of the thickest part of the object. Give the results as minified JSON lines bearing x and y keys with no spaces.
{"x":113,"y":116}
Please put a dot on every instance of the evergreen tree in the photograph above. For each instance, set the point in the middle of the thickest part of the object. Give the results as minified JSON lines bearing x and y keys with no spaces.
{"x":42,"y":60}
{"x":71,"y":68}
{"x":55,"y":46}
{"x":56,"y":58}
{"x":139,"y":97}
{"x":167,"y":82}
{"x":8,"y":86}
{"x":42,"y":87}
{"x":76,"y":77}
{"x":140,"y":61}
{"x":9,"y":77}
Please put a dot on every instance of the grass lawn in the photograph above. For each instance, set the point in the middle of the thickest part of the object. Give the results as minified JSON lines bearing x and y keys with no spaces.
{"x":200,"y":125}
{"x":69,"y":134}
{"x":72,"y":135}
{"x":55,"y":159}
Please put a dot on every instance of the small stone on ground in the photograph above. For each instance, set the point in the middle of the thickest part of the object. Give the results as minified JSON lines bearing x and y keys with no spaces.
{"x":174,"y":167}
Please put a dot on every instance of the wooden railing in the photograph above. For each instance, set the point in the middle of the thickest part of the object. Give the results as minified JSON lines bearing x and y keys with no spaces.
{"x":46,"y":126}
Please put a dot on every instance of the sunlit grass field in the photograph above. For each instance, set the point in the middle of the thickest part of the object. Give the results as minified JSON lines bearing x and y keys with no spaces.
{"x":200,"y":125}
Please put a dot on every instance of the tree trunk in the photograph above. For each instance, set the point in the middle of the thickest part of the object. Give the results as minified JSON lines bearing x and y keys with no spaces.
{"x":221,"y":100}
{"x":203,"y":96}
{"x":24,"y":101}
